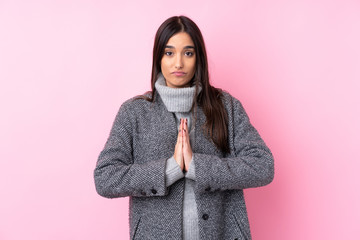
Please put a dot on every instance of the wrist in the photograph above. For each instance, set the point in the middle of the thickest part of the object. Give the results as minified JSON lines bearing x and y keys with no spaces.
{"x":180,"y":163}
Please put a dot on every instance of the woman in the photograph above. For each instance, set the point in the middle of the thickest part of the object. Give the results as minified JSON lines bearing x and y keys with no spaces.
{"x":185,"y":151}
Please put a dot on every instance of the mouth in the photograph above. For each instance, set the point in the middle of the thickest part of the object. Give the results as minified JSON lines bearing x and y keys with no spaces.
{"x":178,"y":73}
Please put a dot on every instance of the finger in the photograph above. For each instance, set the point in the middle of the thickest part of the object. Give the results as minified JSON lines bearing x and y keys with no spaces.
{"x":187,"y":151}
{"x":180,"y":133}
{"x":178,"y":153}
{"x":186,"y":132}
{"x":182,"y":125}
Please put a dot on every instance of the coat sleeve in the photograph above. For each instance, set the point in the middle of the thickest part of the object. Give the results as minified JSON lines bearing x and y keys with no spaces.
{"x":251,"y":163}
{"x":116,"y":174}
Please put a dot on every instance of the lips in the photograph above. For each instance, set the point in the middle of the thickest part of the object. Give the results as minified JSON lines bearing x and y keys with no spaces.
{"x":178,"y":74}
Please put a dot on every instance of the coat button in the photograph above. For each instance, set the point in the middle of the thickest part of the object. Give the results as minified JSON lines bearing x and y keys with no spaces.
{"x":236,"y":239}
{"x":207,"y":189}
{"x":153,"y":191}
{"x":143,"y":193}
{"x":205,"y":216}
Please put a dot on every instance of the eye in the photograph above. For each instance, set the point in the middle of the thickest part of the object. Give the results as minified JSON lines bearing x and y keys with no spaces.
{"x":189,"y":54}
{"x":168,"y":53}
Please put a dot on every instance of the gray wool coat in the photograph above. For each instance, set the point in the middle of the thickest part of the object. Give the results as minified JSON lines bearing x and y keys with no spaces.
{"x":132,"y":163}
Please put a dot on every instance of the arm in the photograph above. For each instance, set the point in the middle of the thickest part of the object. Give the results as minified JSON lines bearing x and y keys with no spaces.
{"x":116,"y":175}
{"x":251,"y":163}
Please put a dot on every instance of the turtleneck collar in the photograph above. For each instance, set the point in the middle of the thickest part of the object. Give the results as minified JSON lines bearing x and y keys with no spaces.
{"x":175,"y":99}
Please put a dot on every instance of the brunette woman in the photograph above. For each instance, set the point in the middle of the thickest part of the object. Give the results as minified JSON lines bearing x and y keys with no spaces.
{"x":185,"y":151}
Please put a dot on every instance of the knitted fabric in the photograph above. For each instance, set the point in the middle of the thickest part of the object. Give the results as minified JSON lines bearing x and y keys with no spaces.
{"x":179,"y":101}
{"x":176,"y":99}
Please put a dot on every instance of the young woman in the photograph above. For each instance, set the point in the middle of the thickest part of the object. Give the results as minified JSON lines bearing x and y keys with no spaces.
{"x":185,"y":151}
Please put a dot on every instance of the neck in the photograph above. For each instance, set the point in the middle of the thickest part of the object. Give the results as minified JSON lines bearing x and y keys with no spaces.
{"x":175,"y":99}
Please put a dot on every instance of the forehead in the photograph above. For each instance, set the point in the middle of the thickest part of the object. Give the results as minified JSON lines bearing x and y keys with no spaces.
{"x":180,"y":39}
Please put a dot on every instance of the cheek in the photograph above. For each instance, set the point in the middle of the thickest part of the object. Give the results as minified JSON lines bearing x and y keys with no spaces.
{"x":193,"y":64}
{"x":164,"y":65}
{"x":161,"y":64}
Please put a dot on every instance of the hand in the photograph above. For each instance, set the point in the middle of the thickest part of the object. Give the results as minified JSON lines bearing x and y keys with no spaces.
{"x":183,"y":152}
{"x":187,"y":151}
{"x":178,"y":155}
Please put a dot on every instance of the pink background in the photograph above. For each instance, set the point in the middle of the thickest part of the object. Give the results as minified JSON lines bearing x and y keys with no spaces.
{"x":66,"y":67}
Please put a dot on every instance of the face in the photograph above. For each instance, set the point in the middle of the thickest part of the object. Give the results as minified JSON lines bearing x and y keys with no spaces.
{"x":179,"y":60}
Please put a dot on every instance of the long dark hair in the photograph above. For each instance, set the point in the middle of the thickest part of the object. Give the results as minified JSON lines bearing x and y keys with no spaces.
{"x":209,"y":98}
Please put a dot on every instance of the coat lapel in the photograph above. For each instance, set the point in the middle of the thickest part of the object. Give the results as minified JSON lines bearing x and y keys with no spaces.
{"x":166,"y":120}
{"x":199,"y":129}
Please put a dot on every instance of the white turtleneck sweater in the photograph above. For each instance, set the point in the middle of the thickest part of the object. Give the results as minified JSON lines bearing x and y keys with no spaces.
{"x":179,"y":101}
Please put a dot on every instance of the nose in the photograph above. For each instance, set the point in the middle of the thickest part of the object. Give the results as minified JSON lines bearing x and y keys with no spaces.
{"x":179,"y":61}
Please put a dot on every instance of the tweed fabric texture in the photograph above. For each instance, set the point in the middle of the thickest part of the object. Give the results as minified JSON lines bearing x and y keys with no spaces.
{"x":133,"y":163}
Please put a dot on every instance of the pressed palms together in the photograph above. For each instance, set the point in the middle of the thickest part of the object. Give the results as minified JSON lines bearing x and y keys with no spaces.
{"x":183,"y":152}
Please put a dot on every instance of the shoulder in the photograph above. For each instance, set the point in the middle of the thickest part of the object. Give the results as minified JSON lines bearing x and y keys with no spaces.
{"x":133,"y":109}
{"x":136,"y":103}
{"x":238,"y":119}
{"x":139,"y":107}
{"x":230,"y":102}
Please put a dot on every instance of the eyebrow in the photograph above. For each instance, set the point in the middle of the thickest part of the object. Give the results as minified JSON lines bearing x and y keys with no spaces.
{"x":186,"y":47}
